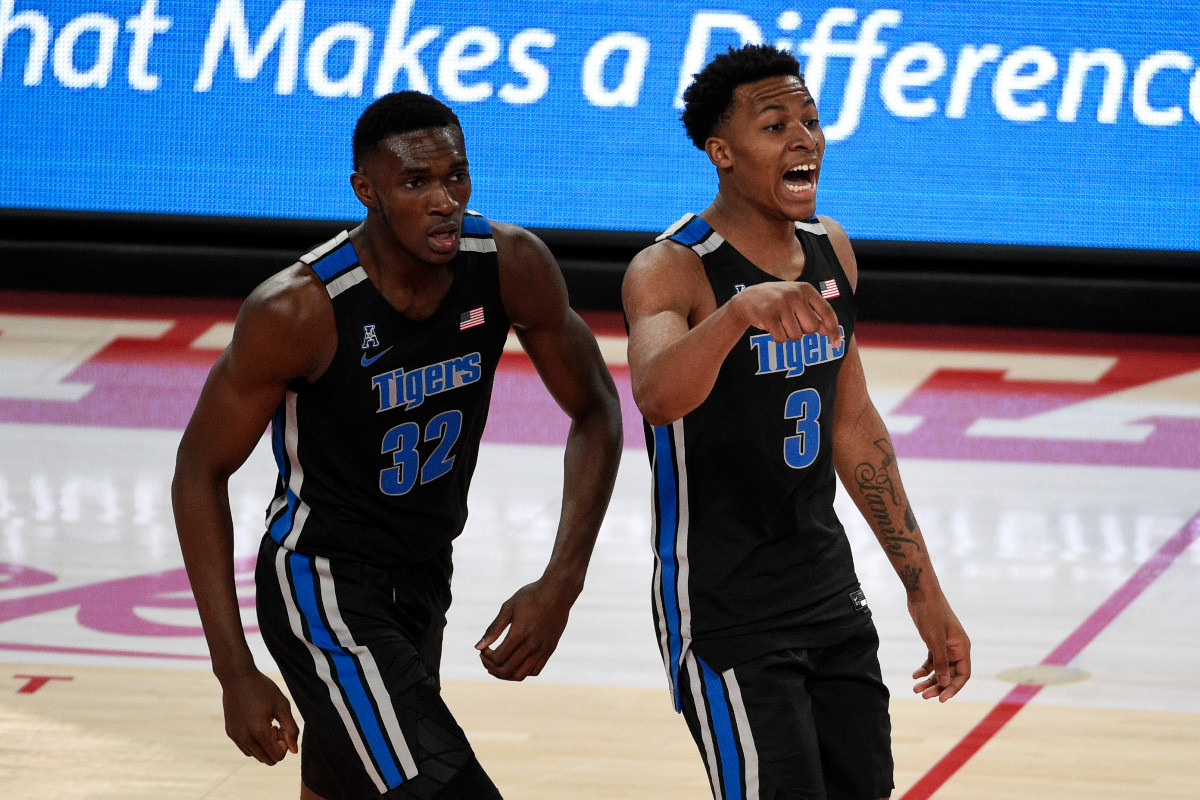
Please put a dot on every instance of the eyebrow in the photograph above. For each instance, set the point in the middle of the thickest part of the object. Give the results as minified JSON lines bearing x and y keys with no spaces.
{"x":422,"y":169}
{"x":775,"y":106}
{"x":808,"y":101}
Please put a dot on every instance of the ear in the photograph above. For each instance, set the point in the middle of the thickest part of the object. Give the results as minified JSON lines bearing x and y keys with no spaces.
{"x":364,"y":190}
{"x":718,"y":152}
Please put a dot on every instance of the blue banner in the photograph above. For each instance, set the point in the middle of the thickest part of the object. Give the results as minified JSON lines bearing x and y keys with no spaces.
{"x":1038,"y":122}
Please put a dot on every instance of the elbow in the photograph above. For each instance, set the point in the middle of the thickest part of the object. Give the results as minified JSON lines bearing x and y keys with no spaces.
{"x":665,"y":398}
{"x":657,"y":411}
{"x":601,"y":422}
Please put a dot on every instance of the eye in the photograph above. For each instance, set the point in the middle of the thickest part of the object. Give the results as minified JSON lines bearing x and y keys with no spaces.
{"x":815,"y":122}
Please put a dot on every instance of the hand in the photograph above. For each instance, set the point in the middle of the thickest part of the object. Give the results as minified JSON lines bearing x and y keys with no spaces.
{"x":787,"y":310}
{"x":252,"y":706}
{"x":535,"y":618}
{"x":947,"y":666}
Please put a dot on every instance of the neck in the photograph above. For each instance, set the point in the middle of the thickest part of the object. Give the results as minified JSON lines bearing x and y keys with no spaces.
{"x":413,"y":287}
{"x":769,"y":242}
{"x":734,"y":214}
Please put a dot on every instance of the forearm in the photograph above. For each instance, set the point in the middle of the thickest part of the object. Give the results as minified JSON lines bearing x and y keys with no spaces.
{"x":679,"y":375}
{"x":866,"y":463}
{"x":205,"y":528}
{"x":592,"y":456}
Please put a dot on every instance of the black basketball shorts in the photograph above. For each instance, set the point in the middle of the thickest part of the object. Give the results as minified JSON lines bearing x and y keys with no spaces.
{"x":359,"y":647}
{"x":800,"y":724}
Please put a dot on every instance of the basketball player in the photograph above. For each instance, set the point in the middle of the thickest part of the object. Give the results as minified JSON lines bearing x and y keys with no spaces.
{"x":746,"y":370}
{"x":373,"y":359}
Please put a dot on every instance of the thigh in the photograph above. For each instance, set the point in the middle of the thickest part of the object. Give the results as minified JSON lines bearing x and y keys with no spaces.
{"x":754,"y":727}
{"x":374,"y":718}
{"x":850,"y":709}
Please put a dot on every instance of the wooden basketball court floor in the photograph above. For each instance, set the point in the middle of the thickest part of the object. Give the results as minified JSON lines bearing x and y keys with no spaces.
{"x":1056,"y":476}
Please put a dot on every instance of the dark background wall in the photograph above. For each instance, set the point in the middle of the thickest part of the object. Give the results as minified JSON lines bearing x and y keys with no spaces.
{"x":1064,"y":288}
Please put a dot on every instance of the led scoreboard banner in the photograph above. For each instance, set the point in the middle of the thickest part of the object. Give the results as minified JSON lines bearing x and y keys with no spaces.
{"x":1030,"y":122}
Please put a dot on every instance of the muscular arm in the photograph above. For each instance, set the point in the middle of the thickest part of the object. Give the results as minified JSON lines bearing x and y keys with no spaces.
{"x":865,"y":461}
{"x":567,"y":358}
{"x":271,"y":345}
{"x":678,"y":337}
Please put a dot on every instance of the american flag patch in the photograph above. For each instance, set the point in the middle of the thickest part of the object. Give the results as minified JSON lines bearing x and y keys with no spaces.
{"x":829,"y":289}
{"x":470,"y":319}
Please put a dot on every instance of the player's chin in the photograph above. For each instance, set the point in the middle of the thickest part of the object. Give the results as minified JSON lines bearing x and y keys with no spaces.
{"x":798,"y":208}
{"x":438,"y":258}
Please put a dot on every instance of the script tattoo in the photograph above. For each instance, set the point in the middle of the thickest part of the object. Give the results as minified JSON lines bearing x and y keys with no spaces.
{"x":882,"y":498}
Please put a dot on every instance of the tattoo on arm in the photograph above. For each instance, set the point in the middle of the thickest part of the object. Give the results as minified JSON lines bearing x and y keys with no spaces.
{"x":882,"y":499}
{"x":910,"y":576}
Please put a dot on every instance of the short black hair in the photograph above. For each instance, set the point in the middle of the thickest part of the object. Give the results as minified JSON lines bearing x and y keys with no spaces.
{"x":707,"y":100}
{"x":398,"y":112}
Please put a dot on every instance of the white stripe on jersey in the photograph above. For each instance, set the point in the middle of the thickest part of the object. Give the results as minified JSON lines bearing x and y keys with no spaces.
{"x":675,"y":228}
{"x":816,"y":227}
{"x":708,"y":748}
{"x":741,"y":734}
{"x":346,"y":281}
{"x":321,"y":250}
{"x":291,"y":435}
{"x":473,"y":245}
{"x":681,"y":547}
{"x":710,"y":243}
{"x":322,"y":666}
{"x":744,"y":734}
{"x":370,"y":669}
{"x":680,"y":533}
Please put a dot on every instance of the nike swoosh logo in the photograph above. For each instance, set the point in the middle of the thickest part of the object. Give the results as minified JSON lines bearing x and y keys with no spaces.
{"x":366,"y":362}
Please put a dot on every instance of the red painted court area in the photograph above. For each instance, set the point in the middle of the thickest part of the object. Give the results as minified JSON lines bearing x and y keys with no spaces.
{"x":1056,"y":475}
{"x":149,"y":378}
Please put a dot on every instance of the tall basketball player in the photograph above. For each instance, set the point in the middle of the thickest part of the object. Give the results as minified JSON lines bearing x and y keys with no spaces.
{"x":372,"y":358}
{"x":746,"y":371}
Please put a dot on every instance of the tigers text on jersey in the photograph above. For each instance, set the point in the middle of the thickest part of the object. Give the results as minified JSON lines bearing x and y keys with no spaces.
{"x":749,"y":555}
{"x":376,"y":456}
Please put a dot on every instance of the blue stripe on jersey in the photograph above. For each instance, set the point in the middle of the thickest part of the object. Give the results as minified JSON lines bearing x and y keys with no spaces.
{"x":692,"y":233}
{"x":336,"y":262}
{"x":667,"y":536}
{"x":346,"y":673}
{"x":473,"y":223}
{"x":722,"y":727}
{"x":282,"y":525}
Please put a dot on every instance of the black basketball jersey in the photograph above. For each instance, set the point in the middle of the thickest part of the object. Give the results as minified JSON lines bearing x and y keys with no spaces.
{"x":376,"y":456}
{"x":749,"y":555}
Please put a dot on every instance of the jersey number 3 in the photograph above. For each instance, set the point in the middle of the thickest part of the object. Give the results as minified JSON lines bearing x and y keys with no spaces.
{"x":402,"y":440}
{"x":801,"y":450}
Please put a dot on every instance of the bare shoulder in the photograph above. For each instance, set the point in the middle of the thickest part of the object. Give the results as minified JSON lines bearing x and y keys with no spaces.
{"x":666,"y":276}
{"x":842,"y":248}
{"x":531,"y":282}
{"x":513,"y":241}
{"x":290,"y":317}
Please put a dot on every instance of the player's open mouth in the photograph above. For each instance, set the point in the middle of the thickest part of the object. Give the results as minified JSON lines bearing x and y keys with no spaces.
{"x":800,"y":178}
{"x":444,"y":239}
